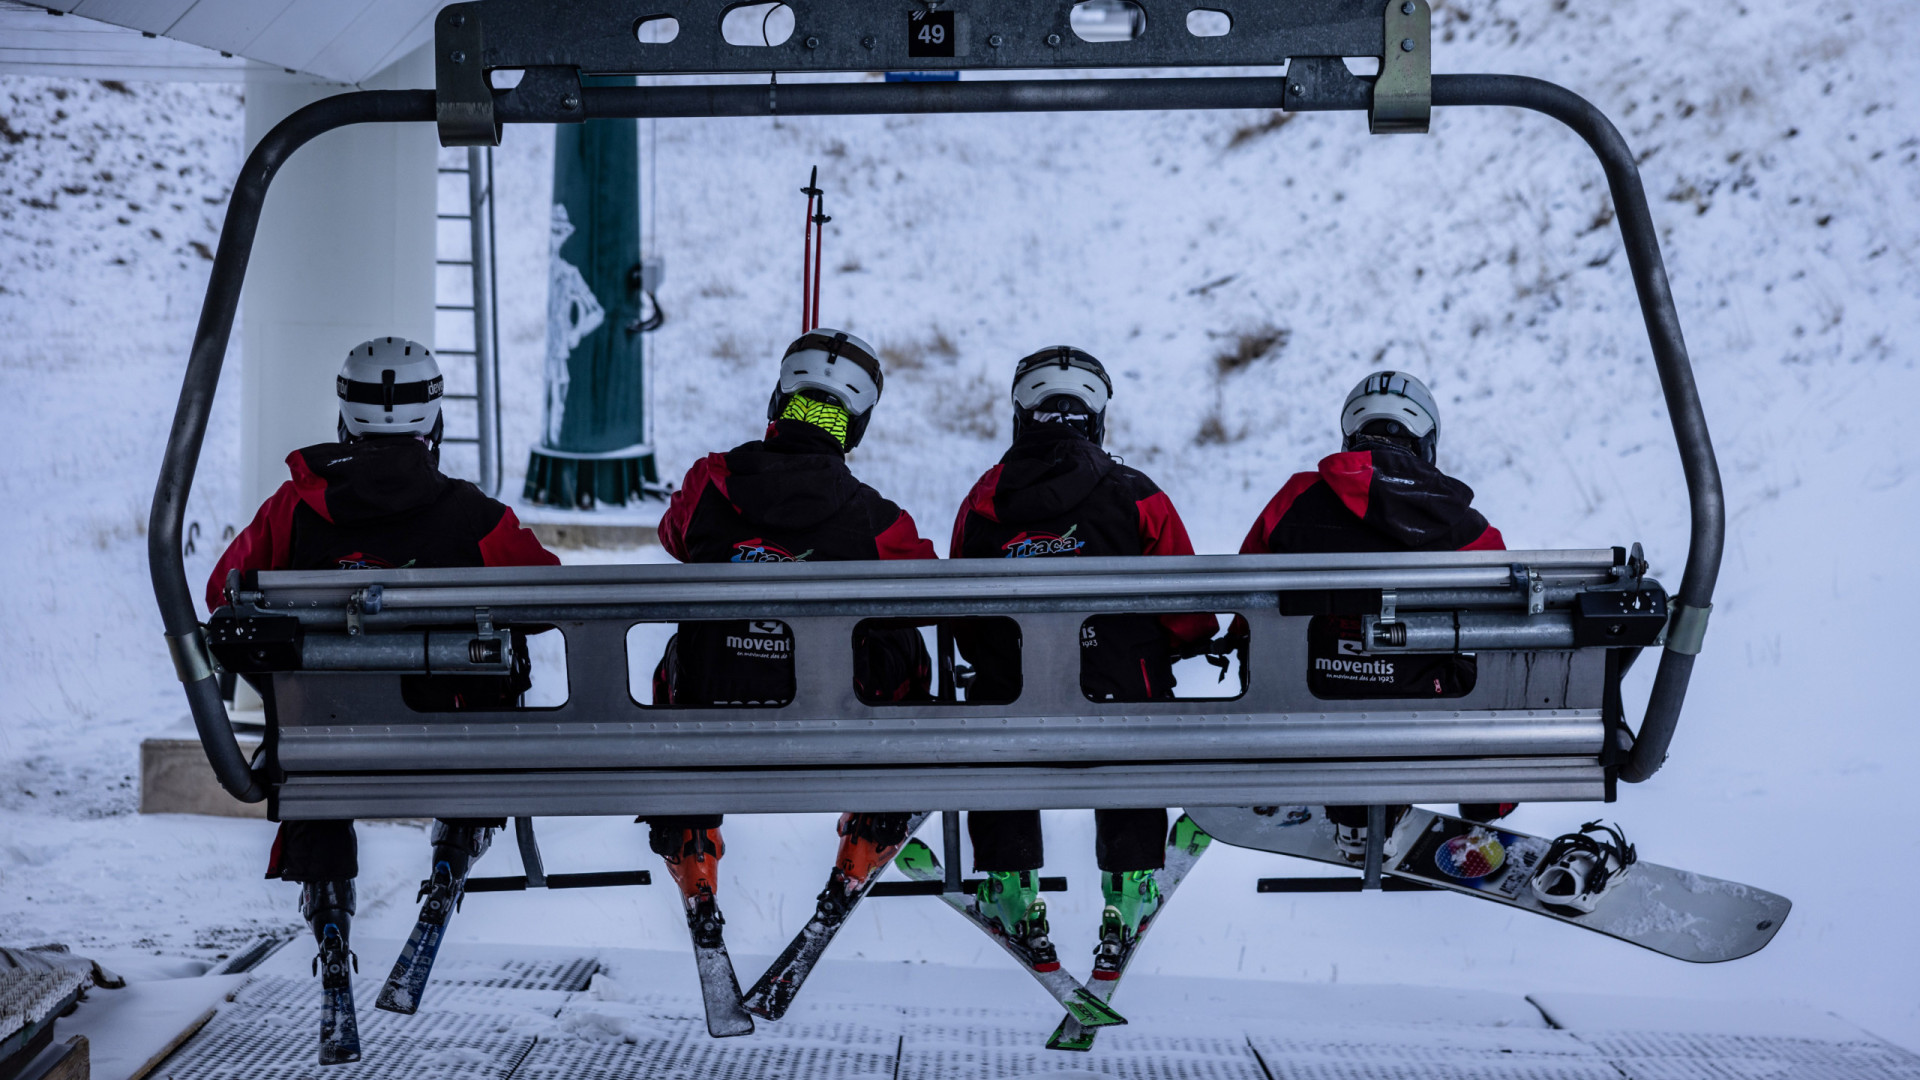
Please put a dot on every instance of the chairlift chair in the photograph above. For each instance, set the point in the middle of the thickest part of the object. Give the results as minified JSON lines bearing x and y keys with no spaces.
{"x":1553,"y":631}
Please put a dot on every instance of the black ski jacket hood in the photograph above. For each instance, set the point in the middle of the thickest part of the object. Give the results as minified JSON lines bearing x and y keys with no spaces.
{"x":795,"y":478}
{"x":1050,"y":471}
{"x":367,"y":480}
{"x":1381,"y":499}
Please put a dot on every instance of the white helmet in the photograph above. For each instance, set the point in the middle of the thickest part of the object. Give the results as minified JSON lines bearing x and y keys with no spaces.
{"x":390,"y":386}
{"x":1392,"y":405}
{"x":835,"y":363}
{"x":1061,"y":371}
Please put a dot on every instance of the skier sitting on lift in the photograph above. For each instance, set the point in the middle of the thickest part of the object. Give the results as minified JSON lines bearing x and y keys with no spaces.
{"x":1057,"y":493}
{"x":788,"y":497}
{"x":377,"y":500}
{"x":1382,"y":492}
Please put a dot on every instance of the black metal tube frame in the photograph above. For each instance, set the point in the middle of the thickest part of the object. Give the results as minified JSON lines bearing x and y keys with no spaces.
{"x":164,"y":534}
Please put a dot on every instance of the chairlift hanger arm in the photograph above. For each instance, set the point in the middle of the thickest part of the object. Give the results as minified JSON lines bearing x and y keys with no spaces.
{"x":1316,"y":81}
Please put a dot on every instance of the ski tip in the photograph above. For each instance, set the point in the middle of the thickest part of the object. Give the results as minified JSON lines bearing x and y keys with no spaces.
{"x":340,"y":1057}
{"x":764,"y":1008}
{"x":1069,"y":1034}
{"x":730,"y":1027}
{"x":396,"y":997}
{"x":1097,"y":1013}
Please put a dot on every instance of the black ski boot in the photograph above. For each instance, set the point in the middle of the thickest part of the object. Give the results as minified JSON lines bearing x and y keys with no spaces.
{"x":456,"y":846}
{"x":328,"y":907}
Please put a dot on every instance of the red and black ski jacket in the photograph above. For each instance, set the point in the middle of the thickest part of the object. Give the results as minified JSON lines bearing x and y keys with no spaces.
{"x":787,"y":498}
{"x":374,"y":505}
{"x":1056,"y":494}
{"x":1385,"y":499}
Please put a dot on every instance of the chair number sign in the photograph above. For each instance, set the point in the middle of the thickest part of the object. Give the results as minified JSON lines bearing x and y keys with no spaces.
{"x":930,"y":33}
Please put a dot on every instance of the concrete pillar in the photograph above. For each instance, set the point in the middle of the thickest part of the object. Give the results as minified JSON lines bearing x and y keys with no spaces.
{"x":345,"y":252}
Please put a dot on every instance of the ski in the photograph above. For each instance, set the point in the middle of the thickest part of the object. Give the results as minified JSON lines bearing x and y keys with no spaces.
{"x":918,"y":862}
{"x":719,"y":987}
{"x":1186,"y":842}
{"x":774,"y":991}
{"x":408,"y":980}
{"x":339,"y":1028}
{"x":1679,"y":914}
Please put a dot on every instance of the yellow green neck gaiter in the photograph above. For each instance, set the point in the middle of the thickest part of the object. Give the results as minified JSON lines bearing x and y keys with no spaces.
{"x":828,"y":417}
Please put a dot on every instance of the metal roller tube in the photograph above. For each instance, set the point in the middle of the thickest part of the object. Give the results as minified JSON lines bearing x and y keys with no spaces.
{"x":1471,"y":631}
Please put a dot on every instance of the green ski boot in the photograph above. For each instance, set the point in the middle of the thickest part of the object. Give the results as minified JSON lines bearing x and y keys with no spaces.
{"x":1133,"y":897}
{"x":1188,"y":837}
{"x":1012,"y":899}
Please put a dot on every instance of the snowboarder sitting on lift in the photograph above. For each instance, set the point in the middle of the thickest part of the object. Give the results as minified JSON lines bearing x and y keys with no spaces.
{"x":377,"y":500}
{"x":1382,"y":492}
{"x":1057,"y":493}
{"x":788,"y":497}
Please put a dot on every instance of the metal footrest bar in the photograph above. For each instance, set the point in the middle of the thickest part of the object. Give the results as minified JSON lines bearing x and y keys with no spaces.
{"x":1339,"y":885}
{"x":935,"y":888}
{"x":597,"y":880}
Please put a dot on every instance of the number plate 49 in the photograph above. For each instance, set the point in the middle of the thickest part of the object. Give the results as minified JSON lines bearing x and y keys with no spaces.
{"x":930,"y":33}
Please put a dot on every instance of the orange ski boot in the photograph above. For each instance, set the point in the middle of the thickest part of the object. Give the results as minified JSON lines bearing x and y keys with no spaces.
{"x":693,"y":860}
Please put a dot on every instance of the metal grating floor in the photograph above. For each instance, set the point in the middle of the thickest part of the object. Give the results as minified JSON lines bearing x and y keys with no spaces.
{"x":501,"y":1017}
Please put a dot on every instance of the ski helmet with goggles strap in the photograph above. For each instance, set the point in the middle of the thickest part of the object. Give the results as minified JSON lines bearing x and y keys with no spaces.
{"x":1394,"y":406}
{"x":1062,"y":384}
{"x":390,"y":386}
{"x":833,"y":365}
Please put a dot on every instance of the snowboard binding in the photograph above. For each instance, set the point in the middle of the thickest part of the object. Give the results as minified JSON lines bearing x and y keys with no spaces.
{"x":1350,"y":831}
{"x":1580,"y":866}
{"x":1287,"y":815}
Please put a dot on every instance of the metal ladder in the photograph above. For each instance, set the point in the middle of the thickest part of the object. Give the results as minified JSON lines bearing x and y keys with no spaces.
{"x":477,"y":297}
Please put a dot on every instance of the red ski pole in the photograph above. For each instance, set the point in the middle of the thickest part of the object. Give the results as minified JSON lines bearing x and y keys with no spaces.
{"x":807,"y":304}
{"x":819,"y":253}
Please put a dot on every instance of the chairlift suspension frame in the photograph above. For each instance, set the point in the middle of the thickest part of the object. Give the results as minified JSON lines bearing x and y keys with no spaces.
{"x":331,"y":647}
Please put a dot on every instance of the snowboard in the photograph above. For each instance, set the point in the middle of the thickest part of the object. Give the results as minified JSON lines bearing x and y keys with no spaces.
{"x":1186,"y":842}
{"x":1680,"y":914}
{"x":774,"y":991}
{"x":918,"y":862}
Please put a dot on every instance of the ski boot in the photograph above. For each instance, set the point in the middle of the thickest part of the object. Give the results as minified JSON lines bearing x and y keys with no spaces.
{"x":328,"y":908}
{"x":1011,"y":899}
{"x":867,"y":843}
{"x":1580,"y":866}
{"x":693,"y":859}
{"x":1133,"y":898}
{"x":1350,"y":831}
{"x":455,"y":849}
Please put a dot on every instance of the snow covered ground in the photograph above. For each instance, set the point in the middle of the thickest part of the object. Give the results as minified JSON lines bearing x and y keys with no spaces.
{"x":1238,"y":272}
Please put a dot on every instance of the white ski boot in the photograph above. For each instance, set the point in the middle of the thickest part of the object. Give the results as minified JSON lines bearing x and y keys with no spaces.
{"x":1350,"y":832}
{"x":1580,"y":867}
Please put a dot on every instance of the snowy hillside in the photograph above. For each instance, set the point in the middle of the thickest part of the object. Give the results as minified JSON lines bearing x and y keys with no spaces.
{"x":1237,"y":271}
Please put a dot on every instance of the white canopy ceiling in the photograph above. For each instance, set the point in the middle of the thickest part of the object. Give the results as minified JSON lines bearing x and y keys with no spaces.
{"x":344,"y":41}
